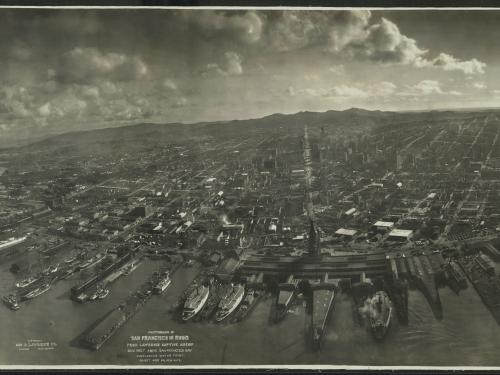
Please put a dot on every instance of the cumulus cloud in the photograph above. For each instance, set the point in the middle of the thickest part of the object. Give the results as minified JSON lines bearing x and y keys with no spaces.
{"x":384,"y":88}
{"x":450,"y":63}
{"x":52,"y":103}
{"x":63,"y":106}
{"x":347,"y":28}
{"x":337,"y":69}
{"x":348,"y":91}
{"x":169,"y":85}
{"x":15,"y":108}
{"x":108,"y":88}
{"x":343,"y":91}
{"x":311,"y":77}
{"x":427,"y":87}
{"x":231,"y":65}
{"x":384,"y":43}
{"x":15,"y":101}
{"x":290,"y":30}
{"x":84,"y":65}
{"x":181,"y":102}
{"x":350,"y":33}
{"x":45,"y":110}
{"x":479,"y":85}
{"x":244,"y":26}
{"x":90,"y":91}
{"x":67,"y":105}
{"x":49,"y":87}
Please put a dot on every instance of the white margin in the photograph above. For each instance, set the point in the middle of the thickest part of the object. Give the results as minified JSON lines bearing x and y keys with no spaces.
{"x":201,"y":367}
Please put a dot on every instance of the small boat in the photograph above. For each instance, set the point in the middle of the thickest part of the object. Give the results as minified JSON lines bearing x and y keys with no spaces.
{"x":26,"y":282}
{"x":163,"y":283}
{"x":51,"y":269}
{"x":38,"y":291}
{"x":130,"y":268}
{"x":71,"y":259}
{"x":67,"y":274}
{"x":82,"y":297}
{"x":251,"y":298}
{"x":11,"y":302}
{"x":100,"y":293}
{"x":103,"y":293}
{"x":86,"y":263}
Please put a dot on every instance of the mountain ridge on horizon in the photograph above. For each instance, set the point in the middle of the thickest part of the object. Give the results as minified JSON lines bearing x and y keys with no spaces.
{"x":183,"y":127}
{"x":301,"y":116}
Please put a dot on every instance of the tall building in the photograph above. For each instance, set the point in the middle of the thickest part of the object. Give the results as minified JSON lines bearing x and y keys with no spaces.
{"x":314,"y":238}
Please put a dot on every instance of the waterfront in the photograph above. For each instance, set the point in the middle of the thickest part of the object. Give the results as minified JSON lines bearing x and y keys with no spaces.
{"x":467,"y":335}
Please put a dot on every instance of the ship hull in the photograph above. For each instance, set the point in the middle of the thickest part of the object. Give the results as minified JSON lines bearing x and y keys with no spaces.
{"x":103,"y":294}
{"x":379,"y":332}
{"x":380,"y":315}
{"x":13,"y":305}
{"x":221,"y":315}
{"x":26,"y":283}
{"x":188,"y":315}
{"x":36,"y":292}
{"x":161,"y":287}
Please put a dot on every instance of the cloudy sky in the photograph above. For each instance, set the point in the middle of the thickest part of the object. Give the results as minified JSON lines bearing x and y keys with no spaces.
{"x":65,"y":70}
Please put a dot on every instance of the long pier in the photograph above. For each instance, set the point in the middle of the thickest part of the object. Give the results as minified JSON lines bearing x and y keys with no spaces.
{"x":78,"y":289}
{"x":421,"y":271}
{"x":342,"y":266}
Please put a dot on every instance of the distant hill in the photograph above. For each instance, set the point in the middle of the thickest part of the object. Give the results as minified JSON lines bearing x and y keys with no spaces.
{"x":168,"y":133}
{"x":353,"y":118}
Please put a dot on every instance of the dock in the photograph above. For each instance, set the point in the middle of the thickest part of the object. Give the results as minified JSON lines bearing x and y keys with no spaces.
{"x":455,"y":277}
{"x":339,"y":266}
{"x":286,"y":296}
{"x":486,"y":285}
{"x":95,"y":337}
{"x":80,"y":289}
{"x":105,"y":329}
{"x":423,"y":277}
{"x":420,"y":271}
{"x":323,"y":297}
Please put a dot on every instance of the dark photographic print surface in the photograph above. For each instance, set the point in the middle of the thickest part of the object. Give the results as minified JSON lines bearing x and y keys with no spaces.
{"x":249,"y":187}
